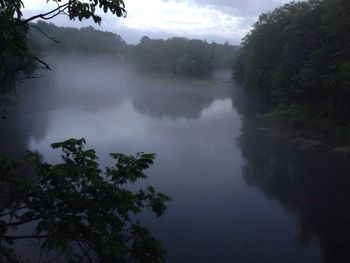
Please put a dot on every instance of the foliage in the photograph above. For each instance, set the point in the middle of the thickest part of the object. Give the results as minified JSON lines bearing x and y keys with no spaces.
{"x":78,"y":210}
{"x":299,"y":55}
{"x":14,"y":53}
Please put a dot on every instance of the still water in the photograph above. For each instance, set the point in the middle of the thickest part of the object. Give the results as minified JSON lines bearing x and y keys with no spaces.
{"x":238,"y":196}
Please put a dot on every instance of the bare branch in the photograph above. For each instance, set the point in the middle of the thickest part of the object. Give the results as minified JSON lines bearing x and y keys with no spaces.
{"x":42,"y":32}
{"x":12,"y":211}
{"x":46,"y":66}
{"x":22,"y":222}
{"x":44,"y":16}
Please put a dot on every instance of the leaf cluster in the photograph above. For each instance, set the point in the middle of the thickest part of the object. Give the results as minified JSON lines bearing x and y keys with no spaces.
{"x":80,"y":211}
{"x":11,"y":8}
{"x":85,"y":10}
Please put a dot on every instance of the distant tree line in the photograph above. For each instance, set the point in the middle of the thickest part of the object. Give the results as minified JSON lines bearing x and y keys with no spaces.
{"x":296,"y":61}
{"x":67,"y":39}
{"x":179,"y":56}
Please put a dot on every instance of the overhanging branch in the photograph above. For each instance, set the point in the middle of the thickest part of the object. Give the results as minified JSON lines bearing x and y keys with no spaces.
{"x":45,"y":65}
{"x":48,"y":15}
{"x":42,"y":32}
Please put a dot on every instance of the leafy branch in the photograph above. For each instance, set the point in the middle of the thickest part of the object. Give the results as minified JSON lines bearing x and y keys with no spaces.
{"x":80,"y":210}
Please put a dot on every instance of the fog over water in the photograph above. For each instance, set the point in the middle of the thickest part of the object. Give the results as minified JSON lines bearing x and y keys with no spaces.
{"x":238,"y":196}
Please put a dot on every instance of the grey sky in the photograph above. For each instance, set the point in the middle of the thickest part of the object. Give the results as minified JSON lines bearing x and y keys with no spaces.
{"x":214,"y":20}
{"x":245,"y":7}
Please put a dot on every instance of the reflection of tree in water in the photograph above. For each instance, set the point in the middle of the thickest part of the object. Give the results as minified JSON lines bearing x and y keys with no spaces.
{"x":19,"y":126}
{"x":174,"y":105}
{"x":314,"y":186}
{"x":22,"y":121}
{"x":176,"y":98}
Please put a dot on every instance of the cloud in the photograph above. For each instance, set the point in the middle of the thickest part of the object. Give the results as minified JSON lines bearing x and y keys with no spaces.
{"x":214,"y":20}
{"x":184,"y":18}
{"x":243,"y":7}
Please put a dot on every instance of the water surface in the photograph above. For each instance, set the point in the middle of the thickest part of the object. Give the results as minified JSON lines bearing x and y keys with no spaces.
{"x":238,"y":196}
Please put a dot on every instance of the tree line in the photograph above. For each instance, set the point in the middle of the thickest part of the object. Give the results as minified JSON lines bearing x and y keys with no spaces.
{"x":177,"y":55}
{"x":182,"y":56}
{"x":296,"y":62}
{"x":47,"y":38}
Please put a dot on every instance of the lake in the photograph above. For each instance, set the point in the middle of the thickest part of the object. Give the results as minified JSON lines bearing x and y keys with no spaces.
{"x":238,"y":195}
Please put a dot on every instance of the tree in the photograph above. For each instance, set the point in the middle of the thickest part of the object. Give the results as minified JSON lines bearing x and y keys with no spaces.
{"x":296,"y":62}
{"x":78,"y":210}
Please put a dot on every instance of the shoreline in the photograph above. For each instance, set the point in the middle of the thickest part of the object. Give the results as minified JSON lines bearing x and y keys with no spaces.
{"x":302,"y":138}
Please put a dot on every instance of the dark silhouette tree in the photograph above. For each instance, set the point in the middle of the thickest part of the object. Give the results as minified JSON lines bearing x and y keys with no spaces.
{"x":77,"y":210}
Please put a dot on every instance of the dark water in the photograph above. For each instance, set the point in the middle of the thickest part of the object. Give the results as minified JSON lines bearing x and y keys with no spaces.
{"x":238,"y":196}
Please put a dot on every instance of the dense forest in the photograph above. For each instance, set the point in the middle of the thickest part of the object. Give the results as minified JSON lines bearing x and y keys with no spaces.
{"x":179,"y":56}
{"x":296,"y":63}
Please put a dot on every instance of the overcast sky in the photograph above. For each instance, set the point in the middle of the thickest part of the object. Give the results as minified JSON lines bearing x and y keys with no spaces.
{"x":214,"y":20}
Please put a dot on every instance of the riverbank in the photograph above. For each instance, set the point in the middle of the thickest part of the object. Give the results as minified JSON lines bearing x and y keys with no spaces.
{"x":302,"y":137}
